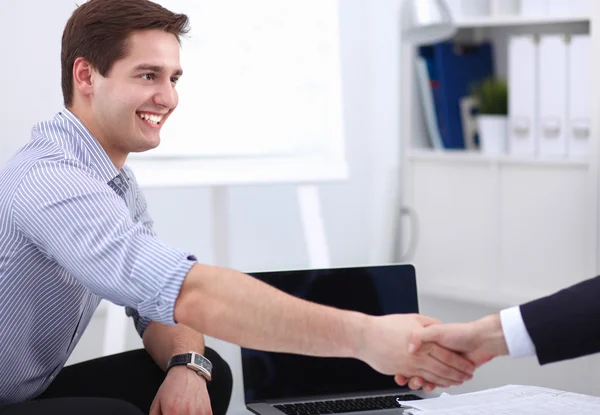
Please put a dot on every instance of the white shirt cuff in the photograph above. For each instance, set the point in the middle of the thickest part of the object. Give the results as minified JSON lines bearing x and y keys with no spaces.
{"x":516,"y":335}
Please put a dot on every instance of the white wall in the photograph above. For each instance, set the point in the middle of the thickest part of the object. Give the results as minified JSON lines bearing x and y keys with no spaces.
{"x":266,"y":230}
{"x":265,"y":226}
{"x":30,"y":67}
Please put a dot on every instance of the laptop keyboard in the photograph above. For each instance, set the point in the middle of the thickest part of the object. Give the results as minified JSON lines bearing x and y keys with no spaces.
{"x":339,"y":406}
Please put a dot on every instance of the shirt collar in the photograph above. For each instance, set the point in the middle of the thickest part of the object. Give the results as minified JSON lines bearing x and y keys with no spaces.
{"x":99,"y":160}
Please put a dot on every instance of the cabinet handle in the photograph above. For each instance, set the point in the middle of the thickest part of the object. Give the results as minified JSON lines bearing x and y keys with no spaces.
{"x":580,"y":128}
{"x":551,"y":127}
{"x":413,"y":241}
{"x":521,"y":126}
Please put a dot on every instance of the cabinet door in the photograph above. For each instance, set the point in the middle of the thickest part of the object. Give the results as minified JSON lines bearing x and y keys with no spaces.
{"x":545,"y":231}
{"x":457,"y":217}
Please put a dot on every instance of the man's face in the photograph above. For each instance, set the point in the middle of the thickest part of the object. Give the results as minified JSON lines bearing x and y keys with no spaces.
{"x":133,"y":101}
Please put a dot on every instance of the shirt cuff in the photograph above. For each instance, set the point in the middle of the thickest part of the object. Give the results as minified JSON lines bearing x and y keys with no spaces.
{"x":161,"y":307}
{"x":516,"y":334}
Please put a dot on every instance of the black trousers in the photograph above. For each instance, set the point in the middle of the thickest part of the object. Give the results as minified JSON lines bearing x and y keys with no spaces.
{"x":122,"y":384}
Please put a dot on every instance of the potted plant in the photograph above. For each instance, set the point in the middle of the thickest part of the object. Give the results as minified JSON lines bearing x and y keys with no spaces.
{"x":491,"y":95}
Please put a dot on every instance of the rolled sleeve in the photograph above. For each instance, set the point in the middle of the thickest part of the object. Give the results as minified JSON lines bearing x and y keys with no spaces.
{"x":141,"y":323}
{"x":86,"y":228}
{"x":161,"y":306}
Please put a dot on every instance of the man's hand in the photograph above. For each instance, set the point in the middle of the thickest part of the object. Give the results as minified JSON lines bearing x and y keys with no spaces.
{"x":182,"y":392}
{"x":479,"y":341}
{"x":385,"y":348}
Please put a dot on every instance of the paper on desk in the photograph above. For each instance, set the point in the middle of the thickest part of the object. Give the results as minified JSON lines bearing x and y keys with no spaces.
{"x":501,"y":394}
{"x":508,"y":400}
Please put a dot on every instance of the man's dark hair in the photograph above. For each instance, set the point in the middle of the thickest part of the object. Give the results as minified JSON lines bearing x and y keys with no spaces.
{"x":98,"y":31}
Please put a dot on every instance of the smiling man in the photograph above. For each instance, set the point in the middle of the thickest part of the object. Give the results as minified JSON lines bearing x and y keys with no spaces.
{"x":132,"y":100}
{"x":75,"y":229}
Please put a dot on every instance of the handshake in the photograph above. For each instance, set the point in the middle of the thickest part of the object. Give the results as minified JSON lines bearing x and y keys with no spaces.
{"x":421,"y":352}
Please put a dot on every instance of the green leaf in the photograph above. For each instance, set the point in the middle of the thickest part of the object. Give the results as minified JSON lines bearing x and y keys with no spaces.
{"x":492,"y":96}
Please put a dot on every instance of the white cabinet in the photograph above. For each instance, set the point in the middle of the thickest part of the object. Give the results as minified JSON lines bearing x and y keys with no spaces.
{"x":500,"y":230}
{"x":456,"y":245}
{"x":545,"y":241}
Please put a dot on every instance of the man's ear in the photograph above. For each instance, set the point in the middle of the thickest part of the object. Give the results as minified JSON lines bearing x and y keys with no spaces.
{"x":83,"y":74}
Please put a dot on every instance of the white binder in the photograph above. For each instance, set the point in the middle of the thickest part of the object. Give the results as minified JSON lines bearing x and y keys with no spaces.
{"x":522,"y":95}
{"x":552,"y":96}
{"x":578,"y":109}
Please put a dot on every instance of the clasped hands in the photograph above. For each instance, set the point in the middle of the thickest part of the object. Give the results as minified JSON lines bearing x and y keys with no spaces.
{"x":434,"y":354}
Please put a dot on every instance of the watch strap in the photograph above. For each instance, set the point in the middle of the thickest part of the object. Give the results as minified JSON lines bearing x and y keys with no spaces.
{"x":194,"y":361}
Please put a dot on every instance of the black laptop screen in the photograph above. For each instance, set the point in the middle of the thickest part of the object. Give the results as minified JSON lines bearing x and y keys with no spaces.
{"x":377,"y":290}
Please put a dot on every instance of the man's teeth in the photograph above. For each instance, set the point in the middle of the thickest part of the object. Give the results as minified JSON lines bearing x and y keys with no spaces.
{"x":153,"y":119}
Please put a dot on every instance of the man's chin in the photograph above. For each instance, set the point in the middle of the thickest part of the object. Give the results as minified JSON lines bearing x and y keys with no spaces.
{"x":145,"y":146}
{"x":142,"y":150}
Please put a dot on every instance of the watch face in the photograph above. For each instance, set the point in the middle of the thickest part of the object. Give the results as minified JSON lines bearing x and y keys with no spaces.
{"x":202,"y":362}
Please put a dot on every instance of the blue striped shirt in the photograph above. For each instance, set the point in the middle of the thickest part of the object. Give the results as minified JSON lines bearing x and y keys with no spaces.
{"x":73,"y":230}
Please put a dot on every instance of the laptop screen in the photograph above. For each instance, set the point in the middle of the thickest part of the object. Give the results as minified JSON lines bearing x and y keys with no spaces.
{"x":375,"y":290}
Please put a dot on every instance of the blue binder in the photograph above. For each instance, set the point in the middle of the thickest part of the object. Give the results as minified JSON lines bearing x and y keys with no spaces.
{"x":453,"y":68}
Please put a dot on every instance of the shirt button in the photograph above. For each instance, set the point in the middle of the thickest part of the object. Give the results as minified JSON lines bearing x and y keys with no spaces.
{"x":52,"y":377}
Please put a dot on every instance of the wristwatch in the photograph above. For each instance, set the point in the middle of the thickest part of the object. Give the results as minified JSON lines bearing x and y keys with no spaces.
{"x":194,"y":361}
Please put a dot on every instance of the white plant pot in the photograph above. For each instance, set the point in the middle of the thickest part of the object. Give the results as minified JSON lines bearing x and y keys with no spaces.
{"x":493,"y":134}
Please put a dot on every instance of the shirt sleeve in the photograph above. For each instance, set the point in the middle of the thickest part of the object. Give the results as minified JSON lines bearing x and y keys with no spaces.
{"x":141,"y":206}
{"x":83,"y":225}
{"x":139,"y":322}
{"x":517,"y":337}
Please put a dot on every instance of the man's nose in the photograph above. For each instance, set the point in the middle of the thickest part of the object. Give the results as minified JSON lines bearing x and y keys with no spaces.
{"x":166,"y":96}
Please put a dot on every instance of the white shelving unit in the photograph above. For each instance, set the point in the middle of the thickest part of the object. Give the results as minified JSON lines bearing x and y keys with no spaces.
{"x":500,"y":230}
{"x":503,"y":21}
{"x":454,"y":156}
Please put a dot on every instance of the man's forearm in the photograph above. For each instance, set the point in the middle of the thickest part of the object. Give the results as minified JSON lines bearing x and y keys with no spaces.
{"x":163,"y":341}
{"x":229,"y":305}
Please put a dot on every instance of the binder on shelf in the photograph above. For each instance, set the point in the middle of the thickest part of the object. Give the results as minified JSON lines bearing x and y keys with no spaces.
{"x":578,"y":109}
{"x":431,"y":122}
{"x":453,"y":68}
{"x":468,"y":116}
{"x":552,"y":95}
{"x":522,"y":95}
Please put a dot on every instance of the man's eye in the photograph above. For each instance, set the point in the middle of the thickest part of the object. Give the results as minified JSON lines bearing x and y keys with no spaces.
{"x":148,"y":76}
{"x":174,"y":79}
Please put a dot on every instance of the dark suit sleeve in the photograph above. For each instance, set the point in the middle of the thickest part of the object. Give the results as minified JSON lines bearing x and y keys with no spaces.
{"x":566,"y":324}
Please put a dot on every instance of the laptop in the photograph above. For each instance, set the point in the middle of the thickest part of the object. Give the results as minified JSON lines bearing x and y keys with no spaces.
{"x":281,"y":383}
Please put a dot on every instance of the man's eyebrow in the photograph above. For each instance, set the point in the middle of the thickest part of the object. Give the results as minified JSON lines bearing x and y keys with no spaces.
{"x":155,"y":68}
